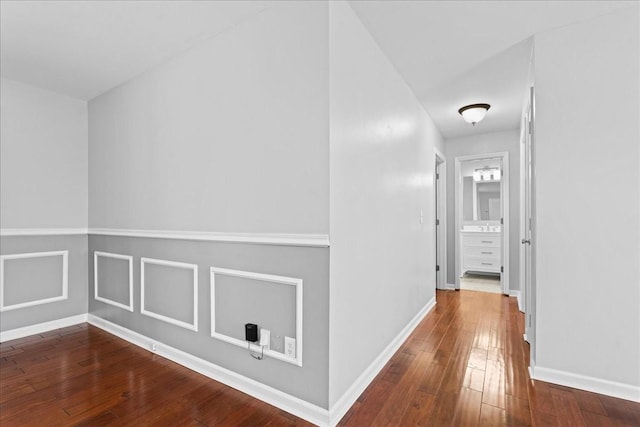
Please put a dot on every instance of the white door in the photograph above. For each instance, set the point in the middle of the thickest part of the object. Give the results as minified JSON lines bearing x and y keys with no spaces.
{"x":440,"y":213}
{"x":527,"y":240}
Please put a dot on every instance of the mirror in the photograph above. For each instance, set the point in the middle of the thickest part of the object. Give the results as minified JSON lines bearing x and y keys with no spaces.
{"x":488,"y":201}
{"x":481,"y":191}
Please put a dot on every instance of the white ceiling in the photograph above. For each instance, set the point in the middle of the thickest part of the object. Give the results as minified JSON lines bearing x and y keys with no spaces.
{"x":453,"y":53}
{"x":450,"y":53}
{"x":84,"y":48}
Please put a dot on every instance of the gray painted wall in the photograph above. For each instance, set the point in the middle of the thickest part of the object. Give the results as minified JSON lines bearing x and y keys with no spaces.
{"x":309,"y":382}
{"x":42,"y":279}
{"x":231,"y":136}
{"x":478,"y":144}
{"x":43,"y":158}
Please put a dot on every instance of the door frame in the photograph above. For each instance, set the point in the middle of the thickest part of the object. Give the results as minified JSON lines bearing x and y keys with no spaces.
{"x":504,"y":193}
{"x":440,"y":210}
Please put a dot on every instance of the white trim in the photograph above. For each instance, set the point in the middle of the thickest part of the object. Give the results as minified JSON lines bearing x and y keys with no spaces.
{"x":451,"y":287}
{"x":8,"y":232}
{"x":280,"y":239}
{"x":96,"y":296}
{"x":313,"y":240}
{"x":191,"y":326}
{"x":39,"y":328}
{"x":523,"y":228}
{"x":583,"y":382}
{"x":291,"y":281}
{"x":65,"y":278}
{"x":342,"y":405}
{"x":504,"y":190}
{"x":270,"y":395}
{"x":517,"y":295}
{"x":440,"y":186}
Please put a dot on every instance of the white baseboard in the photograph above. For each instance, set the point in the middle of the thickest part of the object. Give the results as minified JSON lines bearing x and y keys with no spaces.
{"x":284,"y":401}
{"x":451,"y":286}
{"x":39,"y":328}
{"x":583,"y":382}
{"x":342,"y":405}
{"x":516,"y":294}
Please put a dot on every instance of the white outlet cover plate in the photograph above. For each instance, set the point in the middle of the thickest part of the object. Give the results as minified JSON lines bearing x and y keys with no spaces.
{"x":290,"y":347}
{"x":265,"y":338}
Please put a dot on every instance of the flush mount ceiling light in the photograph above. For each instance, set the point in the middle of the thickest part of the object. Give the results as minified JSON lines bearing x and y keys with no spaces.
{"x":474,"y":113}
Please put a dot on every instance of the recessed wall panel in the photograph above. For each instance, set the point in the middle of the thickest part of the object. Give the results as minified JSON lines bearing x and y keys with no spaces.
{"x":272,"y":302}
{"x":169,"y":291}
{"x":242,"y":300}
{"x":113,"y":281}
{"x":33,"y":278}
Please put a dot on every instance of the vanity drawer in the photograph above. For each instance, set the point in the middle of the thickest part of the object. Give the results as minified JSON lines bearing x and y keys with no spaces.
{"x":481,"y":264}
{"x":485,"y":252}
{"x":482,"y":240}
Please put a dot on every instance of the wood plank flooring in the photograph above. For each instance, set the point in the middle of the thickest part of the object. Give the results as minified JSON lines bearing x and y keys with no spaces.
{"x":84,"y":376}
{"x":465,"y":364}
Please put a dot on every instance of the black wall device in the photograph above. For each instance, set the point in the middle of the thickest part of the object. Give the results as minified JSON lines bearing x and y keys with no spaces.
{"x":251,"y":332}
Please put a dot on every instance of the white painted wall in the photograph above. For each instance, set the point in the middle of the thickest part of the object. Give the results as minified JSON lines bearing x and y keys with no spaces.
{"x":43,"y":158}
{"x":493,"y":142}
{"x":382,"y":163}
{"x":588,"y":232}
{"x":231,"y":136}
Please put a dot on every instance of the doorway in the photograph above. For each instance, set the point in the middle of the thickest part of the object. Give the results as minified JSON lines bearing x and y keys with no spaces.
{"x":440,"y":187}
{"x":482,"y":222}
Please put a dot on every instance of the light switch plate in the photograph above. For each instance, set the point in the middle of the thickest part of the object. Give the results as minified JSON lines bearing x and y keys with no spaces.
{"x":290,"y":347}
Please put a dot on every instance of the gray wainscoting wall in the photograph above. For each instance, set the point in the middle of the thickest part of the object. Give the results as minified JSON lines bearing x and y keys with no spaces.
{"x":32,"y":277}
{"x":239,"y":300}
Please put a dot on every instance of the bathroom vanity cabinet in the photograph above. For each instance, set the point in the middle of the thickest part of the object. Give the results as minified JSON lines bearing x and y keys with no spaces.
{"x":481,"y":252}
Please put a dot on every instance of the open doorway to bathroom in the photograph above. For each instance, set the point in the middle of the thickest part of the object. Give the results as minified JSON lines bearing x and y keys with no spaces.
{"x":482,"y":183}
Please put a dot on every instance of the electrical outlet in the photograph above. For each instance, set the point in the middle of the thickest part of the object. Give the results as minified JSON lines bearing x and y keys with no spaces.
{"x":265,"y":338}
{"x":154,"y":347}
{"x":290,"y":347}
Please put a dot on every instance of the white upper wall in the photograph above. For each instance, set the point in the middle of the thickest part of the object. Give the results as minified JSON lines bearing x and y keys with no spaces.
{"x":382,"y":170}
{"x":492,"y":142}
{"x":587,"y":158}
{"x":231,"y":136}
{"x":43,"y":158}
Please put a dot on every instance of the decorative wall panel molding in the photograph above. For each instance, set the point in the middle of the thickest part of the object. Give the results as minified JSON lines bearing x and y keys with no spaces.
{"x":9,"y":232}
{"x":96,"y":282}
{"x":64,"y":285}
{"x":289,"y":281}
{"x":194,"y":268}
{"x":280,"y":239}
{"x":313,"y":240}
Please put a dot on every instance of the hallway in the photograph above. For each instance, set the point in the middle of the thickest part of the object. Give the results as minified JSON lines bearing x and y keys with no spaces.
{"x":466,"y":364}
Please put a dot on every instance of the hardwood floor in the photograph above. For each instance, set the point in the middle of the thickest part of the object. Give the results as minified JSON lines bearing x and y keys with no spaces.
{"x":465,"y":364}
{"x":84,"y":376}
